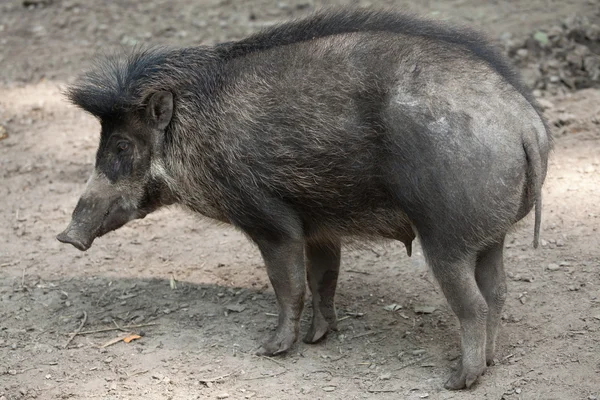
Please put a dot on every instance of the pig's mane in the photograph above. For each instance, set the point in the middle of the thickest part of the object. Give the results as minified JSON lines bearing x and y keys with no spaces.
{"x":343,"y":21}
{"x":120,"y":83}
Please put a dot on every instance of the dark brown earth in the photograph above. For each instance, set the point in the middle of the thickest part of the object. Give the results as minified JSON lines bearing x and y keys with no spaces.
{"x":204,"y":287}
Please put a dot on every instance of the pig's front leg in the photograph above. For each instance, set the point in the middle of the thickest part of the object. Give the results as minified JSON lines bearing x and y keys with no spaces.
{"x":284,"y":259}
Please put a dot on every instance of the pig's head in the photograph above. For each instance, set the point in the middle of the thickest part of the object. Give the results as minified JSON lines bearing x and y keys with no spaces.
{"x":124,"y":185}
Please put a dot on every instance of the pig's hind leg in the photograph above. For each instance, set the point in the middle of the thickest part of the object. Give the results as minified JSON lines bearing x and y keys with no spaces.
{"x":455,"y":272}
{"x":323,"y":262}
{"x":491,"y":280}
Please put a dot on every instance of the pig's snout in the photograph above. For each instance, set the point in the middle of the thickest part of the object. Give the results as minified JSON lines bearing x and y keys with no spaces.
{"x":71,"y":236}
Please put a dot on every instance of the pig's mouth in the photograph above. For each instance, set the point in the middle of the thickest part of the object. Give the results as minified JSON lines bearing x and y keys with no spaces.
{"x":87,"y":224}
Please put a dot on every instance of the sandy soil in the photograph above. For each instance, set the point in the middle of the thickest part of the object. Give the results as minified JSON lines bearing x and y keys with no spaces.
{"x":202,"y":290}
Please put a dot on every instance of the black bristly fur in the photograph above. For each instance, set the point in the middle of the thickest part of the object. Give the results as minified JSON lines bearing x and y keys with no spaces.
{"x":112,"y":86}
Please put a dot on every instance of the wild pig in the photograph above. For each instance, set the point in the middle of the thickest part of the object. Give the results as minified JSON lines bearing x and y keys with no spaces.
{"x":346,"y":123}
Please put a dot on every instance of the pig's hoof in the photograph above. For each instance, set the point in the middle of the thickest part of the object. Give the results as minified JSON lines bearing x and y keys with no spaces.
{"x":277,"y":344}
{"x":463,"y":378}
{"x":317,"y":331}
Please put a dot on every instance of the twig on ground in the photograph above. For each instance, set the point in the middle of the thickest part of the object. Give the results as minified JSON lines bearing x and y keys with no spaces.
{"x":265,"y":376}
{"x":113,"y":329}
{"x":117,"y":326}
{"x":77,"y":332}
{"x":213,"y":380}
{"x":365,"y":334}
{"x":274,"y":360}
{"x":358,"y":272}
{"x":339,"y":358}
{"x":419,"y":360}
{"x":381,"y":390}
{"x":136,"y":373}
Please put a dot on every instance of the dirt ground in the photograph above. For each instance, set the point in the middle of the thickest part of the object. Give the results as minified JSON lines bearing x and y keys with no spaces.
{"x":201,"y":290}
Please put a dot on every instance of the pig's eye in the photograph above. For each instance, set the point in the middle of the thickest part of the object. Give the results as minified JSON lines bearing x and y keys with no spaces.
{"x":122,"y":146}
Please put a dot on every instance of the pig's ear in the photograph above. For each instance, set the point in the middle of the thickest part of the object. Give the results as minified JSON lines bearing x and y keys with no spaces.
{"x":160,"y":109}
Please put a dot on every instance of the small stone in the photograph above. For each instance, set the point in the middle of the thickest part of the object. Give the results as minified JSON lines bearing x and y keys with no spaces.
{"x":553,"y":267}
{"x":518,"y":390}
{"x":423,"y":309}
{"x":560,"y":243}
{"x":223,"y":396}
{"x":108,"y":360}
{"x":385,"y":377}
{"x":565,"y":263}
{"x":418,"y":352}
{"x":545,"y":104}
{"x":544,"y":243}
{"x":329,"y":388}
{"x":236,"y":307}
{"x":566,"y":118}
{"x":592,"y":398}
{"x":523,"y":53}
{"x":392,"y":307}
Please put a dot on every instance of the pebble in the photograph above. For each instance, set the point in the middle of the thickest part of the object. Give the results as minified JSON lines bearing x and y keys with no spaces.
{"x":523,"y":53}
{"x":545,"y":104}
{"x":328,"y":388}
{"x":566,"y":119}
{"x":418,"y":352}
{"x":552,"y":267}
{"x":223,"y":396}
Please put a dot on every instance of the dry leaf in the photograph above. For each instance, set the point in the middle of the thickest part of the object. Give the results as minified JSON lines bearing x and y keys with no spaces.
{"x":131,"y":337}
{"x":113,"y":341}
